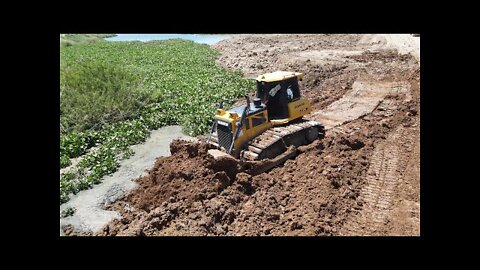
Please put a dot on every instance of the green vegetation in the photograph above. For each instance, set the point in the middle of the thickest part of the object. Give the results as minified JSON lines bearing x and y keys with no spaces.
{"x":73,"y":39}
{"x":95,"y":93}
{"x":68,"y":212}
{"x":113,"y":94}
{"x":64,"y":161}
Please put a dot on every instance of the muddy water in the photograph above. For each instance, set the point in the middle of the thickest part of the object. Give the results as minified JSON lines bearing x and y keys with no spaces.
{"x":89,"y":204}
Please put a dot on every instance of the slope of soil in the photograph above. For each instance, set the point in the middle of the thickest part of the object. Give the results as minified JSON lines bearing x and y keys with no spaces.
{"x":315,"y":194}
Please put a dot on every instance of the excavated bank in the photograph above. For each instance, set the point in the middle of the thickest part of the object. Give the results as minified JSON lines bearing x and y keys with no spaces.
{"x":315,"y":194}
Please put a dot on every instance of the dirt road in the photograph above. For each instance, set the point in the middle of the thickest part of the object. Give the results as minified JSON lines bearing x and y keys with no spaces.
{"x":361,"y":179}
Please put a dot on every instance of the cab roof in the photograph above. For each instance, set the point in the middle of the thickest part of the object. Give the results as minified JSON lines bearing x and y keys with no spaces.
{"x":278,"y":76}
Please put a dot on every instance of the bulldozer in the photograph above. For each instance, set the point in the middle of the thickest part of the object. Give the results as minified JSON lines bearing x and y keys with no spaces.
{"x":271,"y":127}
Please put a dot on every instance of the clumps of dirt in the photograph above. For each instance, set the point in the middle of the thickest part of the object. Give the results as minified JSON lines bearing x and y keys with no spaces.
{"x":260,"y":53}
{"x":319,"y":73}
{"x":385,"y":56}
{"x":351,"y":143}
{"x":69,"y":230}
{"x":310,"y":195}
{"x":188,"y":175}
{"x":178,"y":188}
{"x":316,"y":193}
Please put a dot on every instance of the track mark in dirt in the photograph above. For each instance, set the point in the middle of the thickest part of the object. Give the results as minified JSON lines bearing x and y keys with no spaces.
{"x":405,"y":217}
{"x":361,"y":100}
{"x":384,"y":176}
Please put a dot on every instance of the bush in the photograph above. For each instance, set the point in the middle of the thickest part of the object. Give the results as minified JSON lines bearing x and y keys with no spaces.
{"x":64,"y":161}
{"x":95,"y":94}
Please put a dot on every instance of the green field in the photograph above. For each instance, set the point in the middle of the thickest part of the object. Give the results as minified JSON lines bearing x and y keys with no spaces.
{"x":73,"y":39}
{"x":112,"y":94}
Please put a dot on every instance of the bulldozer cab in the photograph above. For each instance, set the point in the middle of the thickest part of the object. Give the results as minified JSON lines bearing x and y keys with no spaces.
{"x":277,"y":90}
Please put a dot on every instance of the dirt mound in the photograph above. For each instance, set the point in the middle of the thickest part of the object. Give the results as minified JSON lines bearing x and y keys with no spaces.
{"x":317,"y":193}
{"x":196,"y":196}
{"x":188,"y":175}
{"x":261,"y":53}
{"x":189,"y":193}
{"x":177,"y":188}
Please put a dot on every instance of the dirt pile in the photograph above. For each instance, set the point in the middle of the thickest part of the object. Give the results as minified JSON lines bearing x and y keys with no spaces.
{"x":176,"y":189}
{"x":261,"y":53}
{"x":189,"y":193}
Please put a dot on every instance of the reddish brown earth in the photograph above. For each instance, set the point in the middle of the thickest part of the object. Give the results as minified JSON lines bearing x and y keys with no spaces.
{"x":361,"y":179}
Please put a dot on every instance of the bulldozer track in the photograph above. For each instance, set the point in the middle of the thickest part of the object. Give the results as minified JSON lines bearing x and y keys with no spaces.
{"x":275,"y":135}
{"x":384,"y":175}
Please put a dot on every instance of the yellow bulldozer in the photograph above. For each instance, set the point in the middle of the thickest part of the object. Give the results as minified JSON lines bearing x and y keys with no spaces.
{"x":270,"y":125}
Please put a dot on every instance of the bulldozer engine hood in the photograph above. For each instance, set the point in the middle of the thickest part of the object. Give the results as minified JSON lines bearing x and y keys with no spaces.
{"x":232,"y":116}
{"x":225,"y":118}
{"x":236,"y":113}
{"x":252,"y":110}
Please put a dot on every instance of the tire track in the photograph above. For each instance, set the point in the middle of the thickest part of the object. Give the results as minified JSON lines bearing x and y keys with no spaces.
{"x":384,"y":175}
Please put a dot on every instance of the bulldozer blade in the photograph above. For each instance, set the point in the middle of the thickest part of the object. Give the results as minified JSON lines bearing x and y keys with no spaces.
{"x":258,"y":167}
{"x":255,"y":167}
{"x":217,"y":154}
